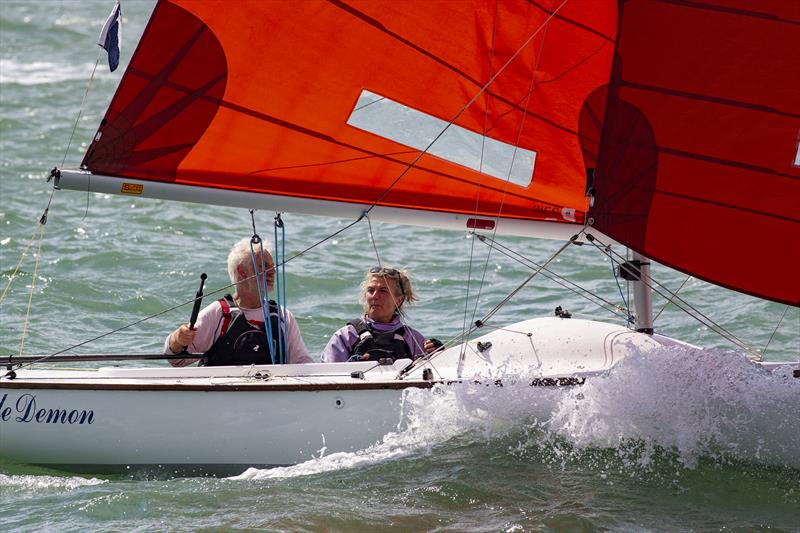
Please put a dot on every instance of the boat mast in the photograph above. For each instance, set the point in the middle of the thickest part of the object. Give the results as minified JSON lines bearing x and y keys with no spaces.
{"x":642,"y":294}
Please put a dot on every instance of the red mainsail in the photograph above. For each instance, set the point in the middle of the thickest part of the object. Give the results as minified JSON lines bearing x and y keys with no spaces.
{"x":680,"y":117}
{"x":259,"y":99}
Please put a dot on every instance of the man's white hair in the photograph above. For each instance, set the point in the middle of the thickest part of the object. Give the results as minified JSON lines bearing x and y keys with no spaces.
{"x":241,"y":255}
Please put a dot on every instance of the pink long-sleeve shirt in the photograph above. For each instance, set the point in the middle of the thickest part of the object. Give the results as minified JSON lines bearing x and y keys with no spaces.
{"x":209,"y":325}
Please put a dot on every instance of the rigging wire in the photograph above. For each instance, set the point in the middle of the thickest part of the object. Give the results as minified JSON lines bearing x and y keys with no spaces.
{"x":523,"y":116}
{"x":399,"y":281}
{"x":764,"y":351}
{"x":33,"y":287}
{"x":505,"y":300}
{"x":187,"y":302}
{"x":74,"y":128}
{"x":21,"y":259}
{"x":670,"y":298}
{"x":556,"y":278}
{"x":461,"y":338}
{"x":372,"y":239}
{"x":511,"y":166}
{"x":479,"y":182}
{"x":657,"y":287}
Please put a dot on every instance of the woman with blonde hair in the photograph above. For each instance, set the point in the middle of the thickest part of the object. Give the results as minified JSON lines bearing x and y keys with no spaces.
{"x":380,"y":332}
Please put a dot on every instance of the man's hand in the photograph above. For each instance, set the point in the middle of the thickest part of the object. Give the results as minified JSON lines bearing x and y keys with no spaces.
{"x":181,"y":338}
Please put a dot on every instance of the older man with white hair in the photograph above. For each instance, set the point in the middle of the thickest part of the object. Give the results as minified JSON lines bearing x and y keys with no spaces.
{"x":231,"y":331}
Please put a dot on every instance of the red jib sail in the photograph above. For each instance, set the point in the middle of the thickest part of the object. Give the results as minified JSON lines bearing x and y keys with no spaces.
{"x":700,"y":166}
{"x":342,"y":101}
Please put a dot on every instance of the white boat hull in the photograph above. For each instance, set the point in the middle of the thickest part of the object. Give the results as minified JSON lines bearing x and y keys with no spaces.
{"x":224,"y":418}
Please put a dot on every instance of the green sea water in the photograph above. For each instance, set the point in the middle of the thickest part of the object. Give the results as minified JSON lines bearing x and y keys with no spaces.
{"x":685,"y":441}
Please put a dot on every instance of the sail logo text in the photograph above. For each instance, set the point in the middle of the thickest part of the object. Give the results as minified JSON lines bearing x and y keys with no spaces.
{"x":132,"y":188}
{"x":26,"y":410}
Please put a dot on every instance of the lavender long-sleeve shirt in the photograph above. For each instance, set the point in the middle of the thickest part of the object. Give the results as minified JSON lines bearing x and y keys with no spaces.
{"x":340,"y":344}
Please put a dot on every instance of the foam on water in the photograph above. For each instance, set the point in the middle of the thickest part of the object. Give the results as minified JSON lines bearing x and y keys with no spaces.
{"x":690,"y":403}
{"x":44,"y":72}
{"x":22,"y":485}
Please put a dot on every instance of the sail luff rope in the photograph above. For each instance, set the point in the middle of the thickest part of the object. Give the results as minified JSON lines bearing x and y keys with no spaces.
{"x":688,"y":309}
{"x":413,"y":163}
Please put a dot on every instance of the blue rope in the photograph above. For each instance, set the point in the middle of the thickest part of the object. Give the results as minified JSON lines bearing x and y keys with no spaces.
{"x":263,"y":292}
{"x":279,"y":255}
{"x":283,"y":286}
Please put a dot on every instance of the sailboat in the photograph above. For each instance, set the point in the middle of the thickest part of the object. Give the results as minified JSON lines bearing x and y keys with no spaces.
{"x":590,"y":121}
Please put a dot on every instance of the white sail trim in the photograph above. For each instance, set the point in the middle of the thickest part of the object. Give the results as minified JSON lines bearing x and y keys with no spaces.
{"x":81,"y":180}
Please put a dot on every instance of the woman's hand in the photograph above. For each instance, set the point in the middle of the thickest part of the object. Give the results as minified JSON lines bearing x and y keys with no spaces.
{"x":431,"y":345}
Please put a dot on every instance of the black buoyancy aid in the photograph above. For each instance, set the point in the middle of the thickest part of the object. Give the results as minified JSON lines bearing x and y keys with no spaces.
{"x":243,"y":343}
{"x":379,"y":345}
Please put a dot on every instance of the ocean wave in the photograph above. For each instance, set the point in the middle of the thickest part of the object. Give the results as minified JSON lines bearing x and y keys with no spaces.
{"x":35,"y":485}
{"x":44,"y":72}
{"x":678,"y":404}
{"x":694,"y":403}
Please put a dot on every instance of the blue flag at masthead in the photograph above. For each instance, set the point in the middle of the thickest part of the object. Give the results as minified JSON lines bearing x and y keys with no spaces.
{"x":111,"y":36}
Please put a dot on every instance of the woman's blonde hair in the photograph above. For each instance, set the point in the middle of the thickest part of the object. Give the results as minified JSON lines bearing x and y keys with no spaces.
{"x":402,"y":286}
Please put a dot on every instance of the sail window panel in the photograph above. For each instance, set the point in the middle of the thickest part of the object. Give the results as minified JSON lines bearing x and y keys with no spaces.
{"x":402,"y":124}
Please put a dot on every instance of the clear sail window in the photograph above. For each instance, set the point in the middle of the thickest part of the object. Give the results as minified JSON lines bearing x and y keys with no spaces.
{"x":380,"y":115}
